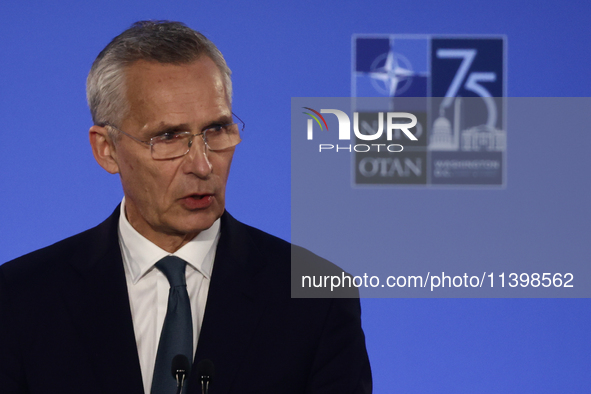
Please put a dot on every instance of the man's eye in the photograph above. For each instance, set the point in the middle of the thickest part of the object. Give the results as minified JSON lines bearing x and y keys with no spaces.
{"x":169,"y":137}
{"x":216,"y":128}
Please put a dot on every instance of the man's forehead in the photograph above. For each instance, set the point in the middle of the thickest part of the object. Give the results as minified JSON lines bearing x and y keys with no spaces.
{"x":169,"y":94}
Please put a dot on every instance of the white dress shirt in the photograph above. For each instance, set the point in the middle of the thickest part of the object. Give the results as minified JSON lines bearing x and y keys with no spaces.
{"x":148,"y":287}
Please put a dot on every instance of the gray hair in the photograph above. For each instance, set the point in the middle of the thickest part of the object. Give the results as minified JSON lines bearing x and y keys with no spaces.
{"x":160,"y":41}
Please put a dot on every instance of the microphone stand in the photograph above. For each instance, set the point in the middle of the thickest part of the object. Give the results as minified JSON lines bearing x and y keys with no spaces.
{"x":204,"y":384}
{"x":180,"y":370}
{"x":180,"y":381}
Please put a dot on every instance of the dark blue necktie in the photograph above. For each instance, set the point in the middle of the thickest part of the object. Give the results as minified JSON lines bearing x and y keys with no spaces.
{"x":177,"y":331}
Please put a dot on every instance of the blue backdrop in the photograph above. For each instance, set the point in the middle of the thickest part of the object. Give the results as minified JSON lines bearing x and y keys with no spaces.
{"x":52,"y":187}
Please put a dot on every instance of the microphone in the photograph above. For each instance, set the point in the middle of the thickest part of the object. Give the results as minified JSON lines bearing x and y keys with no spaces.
{"x":180,"y":371}
{"x":206,"y":371}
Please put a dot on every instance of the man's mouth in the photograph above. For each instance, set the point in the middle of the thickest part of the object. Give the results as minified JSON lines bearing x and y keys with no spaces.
{"x":197,"y":201}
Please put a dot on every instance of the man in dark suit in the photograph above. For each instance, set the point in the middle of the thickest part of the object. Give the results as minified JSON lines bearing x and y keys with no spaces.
{"x":106,"y":310}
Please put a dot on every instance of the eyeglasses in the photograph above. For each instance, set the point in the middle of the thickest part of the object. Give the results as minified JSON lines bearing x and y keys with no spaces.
{"x":171,"y":145}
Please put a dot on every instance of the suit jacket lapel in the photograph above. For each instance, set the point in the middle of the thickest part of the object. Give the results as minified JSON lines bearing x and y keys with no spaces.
{"x":99,"y":305}
{"x":233,"y":304}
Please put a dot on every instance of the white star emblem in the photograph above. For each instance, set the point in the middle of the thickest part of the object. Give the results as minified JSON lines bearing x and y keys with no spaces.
{"x":395,"y":75}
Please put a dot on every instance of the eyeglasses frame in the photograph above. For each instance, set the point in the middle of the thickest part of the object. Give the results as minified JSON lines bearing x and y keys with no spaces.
{"x":191,"y":137}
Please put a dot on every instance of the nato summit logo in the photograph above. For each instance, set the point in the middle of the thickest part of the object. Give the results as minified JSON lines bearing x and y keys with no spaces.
{"x":456,"y":88}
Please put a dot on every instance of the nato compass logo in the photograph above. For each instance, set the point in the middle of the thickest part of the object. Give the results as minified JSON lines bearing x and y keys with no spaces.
{"x":456,"y":86}
{"x":391,"y":74}
{"x":388,"y":67}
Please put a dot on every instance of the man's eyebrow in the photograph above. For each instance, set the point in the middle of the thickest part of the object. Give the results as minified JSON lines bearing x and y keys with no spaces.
{"x":175,"y":128}
{"x":223,"y":119}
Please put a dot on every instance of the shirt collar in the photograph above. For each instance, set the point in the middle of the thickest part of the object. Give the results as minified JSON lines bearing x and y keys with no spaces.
{"x":140,"y":254}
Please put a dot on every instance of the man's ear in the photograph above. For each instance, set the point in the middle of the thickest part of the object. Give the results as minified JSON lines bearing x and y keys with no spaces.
{"x":103,"y":148}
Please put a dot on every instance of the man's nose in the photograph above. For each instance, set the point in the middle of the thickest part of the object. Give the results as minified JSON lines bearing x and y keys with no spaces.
{"x":196,"y":160}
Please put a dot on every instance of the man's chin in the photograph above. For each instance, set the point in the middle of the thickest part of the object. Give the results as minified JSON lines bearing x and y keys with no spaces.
{"x":201,"y":220}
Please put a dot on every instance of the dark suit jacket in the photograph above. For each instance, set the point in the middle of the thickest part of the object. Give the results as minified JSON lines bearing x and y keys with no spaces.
{"x":66,"y":327}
